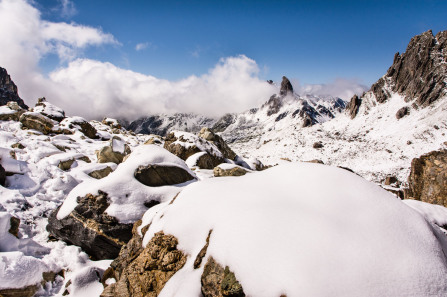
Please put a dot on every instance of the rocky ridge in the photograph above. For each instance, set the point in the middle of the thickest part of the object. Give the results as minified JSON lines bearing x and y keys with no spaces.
{"x":8,"y":90}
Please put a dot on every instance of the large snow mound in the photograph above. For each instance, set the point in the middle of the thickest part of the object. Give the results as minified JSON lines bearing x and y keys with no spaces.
{"x":304,"y":229}
{"x":127,"y":195}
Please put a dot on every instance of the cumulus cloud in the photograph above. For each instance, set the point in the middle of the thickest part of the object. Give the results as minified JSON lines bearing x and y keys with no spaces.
{"x":94,"y":89}
{"x":340,"y":87}
{"x":231,"y":86}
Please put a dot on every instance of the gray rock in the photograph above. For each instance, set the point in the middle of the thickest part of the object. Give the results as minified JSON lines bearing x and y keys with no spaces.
{"x":2,"y":176}
{"x":235,"y":171}
{"x":286,"y":87}
{"x":402,"y":112}
{"x":37,"y":121}
{"x":353,"y":106}
{"x":9,"y":91}
{"x":156,"y":176}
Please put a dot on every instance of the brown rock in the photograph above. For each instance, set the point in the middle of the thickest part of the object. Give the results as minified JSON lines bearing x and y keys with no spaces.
{"x":235,"y":171}
{"x":209,"y":135}
{"x":428,"y":178}
{"x":402,"y":112}
{"x":2,"y":176}
{"x":101,"y":173}
{"x":156,"y":176}
{"x":286,"y":87}
{"x":181,"y":151}
{"x":353,"y":106}
{"x":37,"y":122}
{"x":207,"y":161}
{"x":147,"y":270}
{"x":219,"y":282}
{"x":14,"y":224}
{"x":28,"y":291}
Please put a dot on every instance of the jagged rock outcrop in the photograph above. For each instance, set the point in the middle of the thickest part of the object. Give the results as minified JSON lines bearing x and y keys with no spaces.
{"x":286,"y":87}
{"x":114,"y":152}
{"x":225,"y":121}
{"x":145,"y":271}
{"x":428,"y":178}
{"x":81,"y":124}
{"x":402,"y":112}
{"x":8,"y":90}
{"x":273,"y":105}
{"x":209,"y":135}
{"x":155,"y":176}
{"x":89,"y":227}
{"x":101,"y":173}
{"x":353,"y":106}
{"x":11,"y":112}
{"x":37,"y":121}
{"x":49,"y":110}
{"x":219,"y":282}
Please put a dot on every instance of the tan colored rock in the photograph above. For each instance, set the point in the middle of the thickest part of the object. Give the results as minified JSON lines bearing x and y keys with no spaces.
{"x":156,"y":176}
{"x":209,"y":135}
{"x":109,"y":154}
{"x":428,"y":178}
{"x":37,"y":121}
{"x":219,"y":282}
{"x":181,"y":151}
{"x":15,"y":112}
{"x":148,"y":272}
{"x":235,"y":171}
{"x":101,"y":173}
{"x":28,"y":291}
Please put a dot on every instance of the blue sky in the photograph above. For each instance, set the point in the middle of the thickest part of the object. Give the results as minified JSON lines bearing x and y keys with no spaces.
{"x":313,"y":41}
{"x":135,"y":58}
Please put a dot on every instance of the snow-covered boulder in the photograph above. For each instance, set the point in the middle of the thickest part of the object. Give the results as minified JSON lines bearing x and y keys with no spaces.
{"x":297,"y":229}
{"x":11,"y":111}
{"x":79,"y":124}
{"x":49,"y":110}
{"x":114,"y":152}
{"x":37,"y":121}
{"x":225,"y":169}
{"x":98,"y":215}
{"x":209,"y":135}
{"x":186,"y":145}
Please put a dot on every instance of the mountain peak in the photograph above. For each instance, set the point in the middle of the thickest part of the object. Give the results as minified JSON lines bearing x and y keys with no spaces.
{"x":8,"y":90}
{"x":286,"y":87}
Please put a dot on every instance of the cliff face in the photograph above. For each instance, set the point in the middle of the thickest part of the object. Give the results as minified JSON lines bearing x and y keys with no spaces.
{"x":419,"y":74}
{"x":8,"y":90}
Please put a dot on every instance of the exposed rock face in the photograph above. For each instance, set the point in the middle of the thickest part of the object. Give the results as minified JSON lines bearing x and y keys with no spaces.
{"x":156,"y":176}
{"x":111,"y":153}
{"x":8,"y":90}
{"x":209,"y":135}
{"x":101,"y":173}
{"x":15,"y":112}
{"x":317,"y":145}
{"x":145,"y":271}
{"x":181,"y":151}
{"x":224,"y":122}
{"x":219,"y":282}
{"x":274,"y":105}
{"x":428,"y":178}
{"x":49,"y":110}
{"x":89,"y":227}
{"x":235,"y":171}
{"x":353,"y":106}
{"x":37,"y":121}
{"x":2,"y":176}
{"x":402,"y":112}
{"x":286,"y":87}
{"x":207,"y":161}
{"x":85,"y":127}
{"x":14,"y":224}
{"x":28,"y":291}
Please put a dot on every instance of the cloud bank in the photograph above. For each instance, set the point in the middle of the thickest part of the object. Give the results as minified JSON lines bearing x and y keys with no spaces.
{"x":340,"y":87}
{"x":94,"y":89}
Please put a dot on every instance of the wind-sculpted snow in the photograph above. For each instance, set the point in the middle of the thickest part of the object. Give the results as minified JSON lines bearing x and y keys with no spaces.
{"x":303,"y":230}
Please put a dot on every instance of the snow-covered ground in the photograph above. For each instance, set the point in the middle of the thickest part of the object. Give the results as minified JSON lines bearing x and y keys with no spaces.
{"x":374,"y":144}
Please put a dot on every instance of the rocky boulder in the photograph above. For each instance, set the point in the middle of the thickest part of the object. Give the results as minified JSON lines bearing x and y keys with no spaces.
{"x":113,"y":123}
{"x":114,"y":152}
{"x":155,"y":175}
{"x":218,"y":281}
{"x":353,"y":106}
{"x":8,"y":90}
{"x":229,"y":170}
{"x":37,"y":121}
{"x":209,"y":135}
{"x":80,"y":124}
{"x":49,"y":110}
{"x":145,"y":271}
{"x":428,"y":178}
{"x":11,"y":111}
{"x":101,"y":173}
{"x":402,"y":112}
{"x":89,"y":227}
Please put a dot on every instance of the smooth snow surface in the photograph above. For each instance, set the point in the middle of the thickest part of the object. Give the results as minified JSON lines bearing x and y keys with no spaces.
{"x":304,"y":229}
{"x":127,"y":195}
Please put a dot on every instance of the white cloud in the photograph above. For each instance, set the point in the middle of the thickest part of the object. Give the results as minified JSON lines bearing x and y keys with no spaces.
{"x":67,"y":8}
{"x":142,"y":46}
{"x":340,"y":87}
{"x":95,"y":89}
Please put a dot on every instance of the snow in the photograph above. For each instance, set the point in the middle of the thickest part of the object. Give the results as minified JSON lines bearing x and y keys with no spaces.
{"x":304,"y":229}
{"x":435,"y":214}
{"x":192,"y":160}
{"x":6,"y":110}
{"x":127,"y":195}
{"x":49,"y":110}
{"x":190,"y":139}
{"x":118,"y":145}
